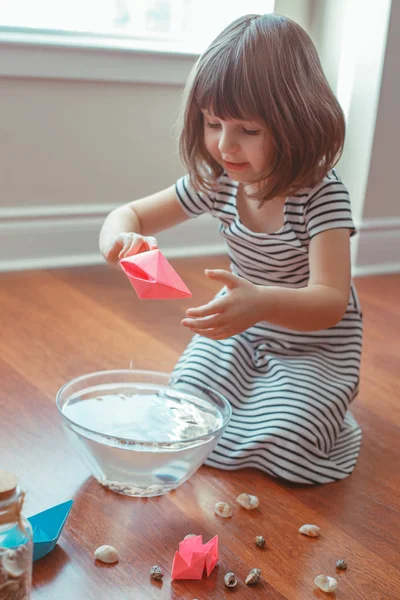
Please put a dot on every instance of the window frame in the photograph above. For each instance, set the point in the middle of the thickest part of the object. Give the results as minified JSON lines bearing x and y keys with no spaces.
{"x":41,"y":54}
{"x":92,"y":58}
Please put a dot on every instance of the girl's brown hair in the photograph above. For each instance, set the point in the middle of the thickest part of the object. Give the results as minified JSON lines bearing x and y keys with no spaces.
{"x":265,"y":68}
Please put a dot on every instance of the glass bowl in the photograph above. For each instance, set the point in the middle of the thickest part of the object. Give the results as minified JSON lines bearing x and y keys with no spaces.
{"x":139,"y":432}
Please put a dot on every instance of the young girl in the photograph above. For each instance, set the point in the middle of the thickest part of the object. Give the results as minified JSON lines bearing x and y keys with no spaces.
{"x":282,"y":339}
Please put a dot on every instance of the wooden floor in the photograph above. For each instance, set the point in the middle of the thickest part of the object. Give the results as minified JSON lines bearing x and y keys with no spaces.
{"x":56,"y":325}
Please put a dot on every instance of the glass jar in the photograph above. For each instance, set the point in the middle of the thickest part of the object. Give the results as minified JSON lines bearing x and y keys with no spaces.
{"x":16,"y":546}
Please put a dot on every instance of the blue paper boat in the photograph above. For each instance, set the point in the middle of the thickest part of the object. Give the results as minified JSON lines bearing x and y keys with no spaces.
{"x":47,"y":527}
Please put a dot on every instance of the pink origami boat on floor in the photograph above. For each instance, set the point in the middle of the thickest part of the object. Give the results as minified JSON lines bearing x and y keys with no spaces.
{"x":153,"y":277}
{"x":193,"y":557}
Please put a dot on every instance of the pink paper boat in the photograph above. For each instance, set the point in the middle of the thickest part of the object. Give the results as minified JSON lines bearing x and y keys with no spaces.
{"x":153,"y":277}
{"x":193,"y":557}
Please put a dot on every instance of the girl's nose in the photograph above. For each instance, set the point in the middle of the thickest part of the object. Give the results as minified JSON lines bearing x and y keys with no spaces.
{"x":227,"y":143}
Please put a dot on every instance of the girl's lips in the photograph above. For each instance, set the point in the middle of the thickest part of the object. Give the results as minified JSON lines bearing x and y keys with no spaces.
{"x":235,"y":166}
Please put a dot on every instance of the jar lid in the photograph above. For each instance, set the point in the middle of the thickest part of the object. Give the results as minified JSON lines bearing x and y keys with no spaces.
{"x":8,"y":484}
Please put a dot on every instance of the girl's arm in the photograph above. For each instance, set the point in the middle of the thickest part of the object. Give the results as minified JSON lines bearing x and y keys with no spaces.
{"x":144,"y":217}
{"x":323,"y":302}
{"x":318,"y":306}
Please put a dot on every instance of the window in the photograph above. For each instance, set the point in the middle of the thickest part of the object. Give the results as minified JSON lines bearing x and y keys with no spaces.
{"x":179,"y":25}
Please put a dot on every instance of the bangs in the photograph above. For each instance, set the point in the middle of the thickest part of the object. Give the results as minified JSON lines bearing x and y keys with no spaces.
{"x":223,"y":87}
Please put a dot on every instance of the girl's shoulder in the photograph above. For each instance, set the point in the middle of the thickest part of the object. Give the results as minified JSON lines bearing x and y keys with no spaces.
{"x":326,"y":189}
{"x":332,"y":178}
{"x":325,"y":206}
{"x":196,"y":202}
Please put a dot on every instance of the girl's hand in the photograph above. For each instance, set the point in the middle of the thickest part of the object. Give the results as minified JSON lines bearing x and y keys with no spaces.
{"x":231,"y":314}
{"x":128,"y":244}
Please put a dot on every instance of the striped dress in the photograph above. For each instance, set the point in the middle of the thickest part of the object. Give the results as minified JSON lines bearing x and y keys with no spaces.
{"x":289,"y":391}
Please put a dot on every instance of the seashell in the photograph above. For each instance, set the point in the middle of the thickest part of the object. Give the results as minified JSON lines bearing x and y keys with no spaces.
{"x":259,"y":541}
{"x":156,"y":573}
{"x":248,"y":501}
{"x":341,"y":565}
{"x":12,"y":564}
{"x":106,"y":554}
{"x":325,"y":583}
{"x":253,"y":577}
{"x":153,"y":490}
{"x":230,"y":580}
{"x":223,"y":509}
{"x":189,"y":535}
{"x":310,"y":530}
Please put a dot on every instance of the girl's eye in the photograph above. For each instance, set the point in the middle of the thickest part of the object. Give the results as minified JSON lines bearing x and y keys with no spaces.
{"x":252,"y":131}
{"x":213,"y":125}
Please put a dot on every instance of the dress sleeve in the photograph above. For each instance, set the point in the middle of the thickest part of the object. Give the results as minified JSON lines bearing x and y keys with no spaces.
{"x":329,"y":208}
{"x":193,"y":203}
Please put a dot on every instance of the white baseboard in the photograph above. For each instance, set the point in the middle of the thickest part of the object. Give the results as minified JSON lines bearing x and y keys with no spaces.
{"x":67,"y":236}
{"x":45,"y":237}
{"x":378,"y":251}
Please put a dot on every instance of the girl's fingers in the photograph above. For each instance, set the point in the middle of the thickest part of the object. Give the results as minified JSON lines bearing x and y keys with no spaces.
{"x":124,"y":240}
{"x":207,"y":323}
{"x":141,"y":244}
{"x":225,"y":277}
{"x":213,"y":307}
{"x":152,"y":243}
{"x":116,"y":247}
{"x":113,"y":251}
{"x":129,"y":244}
{"x":133,"y":247}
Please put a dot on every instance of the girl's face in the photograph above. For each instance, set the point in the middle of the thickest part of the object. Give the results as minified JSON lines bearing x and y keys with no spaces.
{"x":242,"y":148}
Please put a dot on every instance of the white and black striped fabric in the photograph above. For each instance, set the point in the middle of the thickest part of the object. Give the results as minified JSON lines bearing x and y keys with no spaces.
{"x":289,"y":391}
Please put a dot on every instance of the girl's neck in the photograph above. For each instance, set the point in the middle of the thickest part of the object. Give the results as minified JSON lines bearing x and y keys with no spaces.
{"x":266,"y":218}
{"x":245,"y":190}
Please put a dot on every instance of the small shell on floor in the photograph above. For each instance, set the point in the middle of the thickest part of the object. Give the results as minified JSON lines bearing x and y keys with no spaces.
{"x":11,"y":565}
{"x":230,"y":580}
{"x":253,"y":577}
{"x":189,"y":535}
{"x":106,"y":554}
{"x":153,"y":490}
{"x":341,"y":565}
{"x":310,"y":530}
{"x":326,"y":583}
{"x":223,"y":509}
{"x":248,"y":501}
{"x":259,"y":541}
{"x":156,"y":573}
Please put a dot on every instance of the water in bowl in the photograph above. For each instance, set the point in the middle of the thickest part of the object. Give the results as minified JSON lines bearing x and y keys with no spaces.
{"x":143,"y":445}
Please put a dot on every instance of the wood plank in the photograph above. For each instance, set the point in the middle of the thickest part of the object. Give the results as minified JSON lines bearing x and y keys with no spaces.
{"x":59,"y":324}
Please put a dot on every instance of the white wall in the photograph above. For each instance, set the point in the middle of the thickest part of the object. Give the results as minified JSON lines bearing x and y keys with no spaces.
{"x":70,"y":142}
{"x":72,"y":150}
{"x":379,"y":243}
{"x":356,"y":47}
{"x":382,"y":196}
